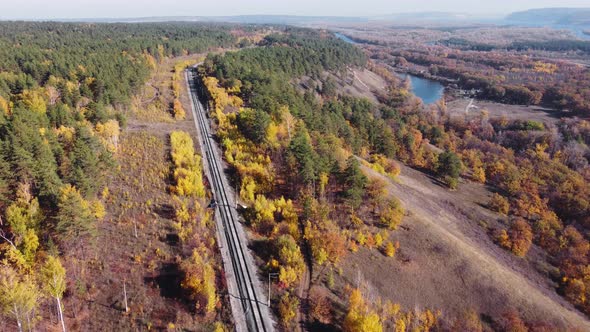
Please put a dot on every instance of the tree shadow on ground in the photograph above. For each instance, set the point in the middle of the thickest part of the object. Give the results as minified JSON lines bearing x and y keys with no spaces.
{"x":168,"y":281}
{"x":165,"y":211}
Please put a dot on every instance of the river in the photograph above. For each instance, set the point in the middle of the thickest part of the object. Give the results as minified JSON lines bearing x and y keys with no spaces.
{"x":344,"y":38}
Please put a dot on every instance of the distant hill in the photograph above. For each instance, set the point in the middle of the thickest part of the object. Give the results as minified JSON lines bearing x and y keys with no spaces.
{"x":255,"y":19}
{"x":401,"y":18}
{"x":552,"y":16}
{"x":438,"y":17}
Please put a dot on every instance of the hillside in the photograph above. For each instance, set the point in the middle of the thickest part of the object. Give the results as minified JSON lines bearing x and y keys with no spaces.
{"x":552,"y":16}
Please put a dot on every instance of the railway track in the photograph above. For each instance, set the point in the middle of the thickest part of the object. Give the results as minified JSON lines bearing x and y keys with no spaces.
{"x":254,"y":309}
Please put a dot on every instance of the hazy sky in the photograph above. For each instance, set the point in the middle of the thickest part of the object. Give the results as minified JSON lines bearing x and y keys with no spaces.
{"x":35,"y":9}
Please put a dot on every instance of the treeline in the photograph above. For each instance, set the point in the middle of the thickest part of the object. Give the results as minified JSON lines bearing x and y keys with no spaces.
{"x":490,"y":88}
{"x":263,"y":74}
{"x":63,"y":91}
{"x":466,"y":44}
{"x":560,"y":45}
{"x":289,"y":54}
{"x":552,"y":45}
{"x":109,"y":62}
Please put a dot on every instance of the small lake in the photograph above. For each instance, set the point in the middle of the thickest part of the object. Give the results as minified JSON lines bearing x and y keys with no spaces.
{"x":345,"y":38}
{"x":428,"y":90}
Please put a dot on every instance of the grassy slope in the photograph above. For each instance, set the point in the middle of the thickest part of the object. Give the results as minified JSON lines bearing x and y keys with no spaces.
{"x":447,"y":260}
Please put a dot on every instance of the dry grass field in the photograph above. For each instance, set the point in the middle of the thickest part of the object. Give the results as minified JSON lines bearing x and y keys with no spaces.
{"x":447,"y":261}
{"x":458,"y":107}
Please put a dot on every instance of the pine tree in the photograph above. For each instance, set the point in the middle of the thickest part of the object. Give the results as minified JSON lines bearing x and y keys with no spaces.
{"x":253,"y":124}
{"x":355,"y":182}
{"x":449,"y":168}
{"x":86,"y":170}
{"x":301,"y":150}
{"x":74,"y":217}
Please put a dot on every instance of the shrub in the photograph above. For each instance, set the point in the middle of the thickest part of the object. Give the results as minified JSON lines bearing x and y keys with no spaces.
{"x":521,"y":236}
{"x":518,"y":238}
{"x":499,"y":204}
{"x":178,"y":110}
{"x":360,"y":318}
{"x":320,"y":308}
{"x":392,"y":214}
{"x":390,"y":248}
{"x":199,"y":281}
{"x":288,"y":306}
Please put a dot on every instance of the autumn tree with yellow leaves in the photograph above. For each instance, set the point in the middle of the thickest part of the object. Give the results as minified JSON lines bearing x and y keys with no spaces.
{"x":290,"y":260}
{"x":24,"y":216}
{"x":360,"y":317}
{"x":199,"y":281}
{"x":188,"y":173}
{"x":19,"y":296}
{"x":53,"y":279}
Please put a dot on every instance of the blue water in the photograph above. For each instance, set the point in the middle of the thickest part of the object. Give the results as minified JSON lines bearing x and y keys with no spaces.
{"x":428,"y":90}
{"x":345,"y":38}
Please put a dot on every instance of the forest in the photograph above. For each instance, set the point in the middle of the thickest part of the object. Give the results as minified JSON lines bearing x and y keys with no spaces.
{"x":268,"y":128}
{"x":259,"y":114}
{"x":300,"y":159}
{"x":64,"y":92}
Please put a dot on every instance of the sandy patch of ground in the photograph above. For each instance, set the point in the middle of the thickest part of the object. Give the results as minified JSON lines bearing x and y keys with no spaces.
{"x":458,"y":107}
{"x":361,"y":83}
